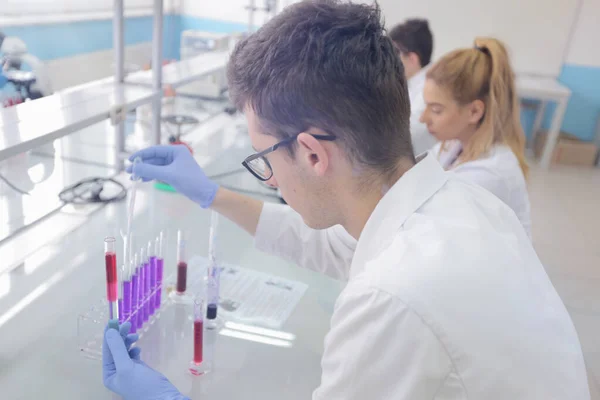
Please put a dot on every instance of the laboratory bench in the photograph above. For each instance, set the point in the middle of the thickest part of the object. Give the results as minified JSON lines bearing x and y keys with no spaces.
{"x":63,"y":274}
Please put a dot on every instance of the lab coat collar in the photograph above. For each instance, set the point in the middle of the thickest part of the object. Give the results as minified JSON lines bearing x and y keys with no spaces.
{"x":406,"y":196}
{"x":417,"y":81}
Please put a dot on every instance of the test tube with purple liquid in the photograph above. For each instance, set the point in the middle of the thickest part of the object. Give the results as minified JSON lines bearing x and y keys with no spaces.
{"x":152,"y":258}
{"x":135,"y":293}
{"x":160,"y":261}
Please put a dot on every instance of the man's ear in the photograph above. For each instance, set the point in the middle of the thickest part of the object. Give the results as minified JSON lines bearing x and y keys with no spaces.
{"x":313,"y":153}
{"x":414,"y":58}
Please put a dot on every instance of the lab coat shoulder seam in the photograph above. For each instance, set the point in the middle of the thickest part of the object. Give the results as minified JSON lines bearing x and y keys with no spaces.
{"x":375,"y":288}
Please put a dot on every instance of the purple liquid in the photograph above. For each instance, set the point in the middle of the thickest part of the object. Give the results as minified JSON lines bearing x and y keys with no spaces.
{"x":135,"y":293}
{"x":147,"y":290}
{"x":126,"y":300}
{"x":152,"y":301}
{"x":159,"y":277}
{"x":120,"y":307}
{"x":141,"y":291}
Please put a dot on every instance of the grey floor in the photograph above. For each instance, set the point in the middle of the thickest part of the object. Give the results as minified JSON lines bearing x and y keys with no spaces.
{"x":564,"y":202}
{"x":566,"y":218}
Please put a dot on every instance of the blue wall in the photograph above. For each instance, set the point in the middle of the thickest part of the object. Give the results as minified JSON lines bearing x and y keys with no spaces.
{"x":583,"y":110}
{"x":52,"y":41}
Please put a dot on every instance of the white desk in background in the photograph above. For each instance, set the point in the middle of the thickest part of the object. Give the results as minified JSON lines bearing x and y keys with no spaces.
{"x":184,"y":72}
{"x":95,"y":104}
{"x":545,"y":89}
{"x":36,"y":109}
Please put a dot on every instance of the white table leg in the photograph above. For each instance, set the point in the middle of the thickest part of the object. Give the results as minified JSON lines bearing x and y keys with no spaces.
{"x":553,"y":133}
{"x":539,"y":116}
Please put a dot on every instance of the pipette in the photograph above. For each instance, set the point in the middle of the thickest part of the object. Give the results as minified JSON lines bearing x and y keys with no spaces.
{"x":127,"y":242}
{"x":112,"y":285}
{"x":160,"y":261}
{"x":214,"y":274}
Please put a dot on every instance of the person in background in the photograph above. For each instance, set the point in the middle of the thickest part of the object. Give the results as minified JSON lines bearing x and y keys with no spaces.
{"x":414,"y":42}
{"x":445,"y":296}
{"x":473,"y":110}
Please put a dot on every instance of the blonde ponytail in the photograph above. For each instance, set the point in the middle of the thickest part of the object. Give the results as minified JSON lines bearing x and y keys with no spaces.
{"x":484,"y":72}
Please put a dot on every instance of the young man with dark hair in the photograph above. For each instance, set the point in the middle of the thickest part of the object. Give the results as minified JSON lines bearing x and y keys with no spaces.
{"x":445,"y":296}
{"x":414,"y":42}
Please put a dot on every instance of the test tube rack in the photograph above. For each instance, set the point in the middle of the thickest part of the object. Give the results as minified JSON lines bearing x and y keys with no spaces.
{"x":92,"y":322}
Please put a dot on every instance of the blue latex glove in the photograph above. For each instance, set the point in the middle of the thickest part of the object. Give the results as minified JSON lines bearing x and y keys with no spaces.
{"x":126,"y":375}
{"x":175,"y":166}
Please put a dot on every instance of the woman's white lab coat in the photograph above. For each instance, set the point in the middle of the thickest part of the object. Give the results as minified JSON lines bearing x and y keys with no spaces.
{"x":446,"y":299}
{"x":498,"y":171}
{"x":422,"y":140}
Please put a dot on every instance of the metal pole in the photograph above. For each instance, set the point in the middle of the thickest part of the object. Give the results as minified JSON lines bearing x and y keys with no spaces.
{"x":157,"y":33}
{"x":251,"y":9}
{"x":119,"y":65}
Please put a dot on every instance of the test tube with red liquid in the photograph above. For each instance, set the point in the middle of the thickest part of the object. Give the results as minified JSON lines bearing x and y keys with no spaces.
{"x":160,"y":262}
{"x":198,"y":366}
{"x":152,"y":260}
{"x":112,"y":285}
{"x":181,"y":264}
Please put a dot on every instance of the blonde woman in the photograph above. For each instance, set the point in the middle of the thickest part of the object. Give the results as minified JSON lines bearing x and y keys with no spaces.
{"x":473,"y":110}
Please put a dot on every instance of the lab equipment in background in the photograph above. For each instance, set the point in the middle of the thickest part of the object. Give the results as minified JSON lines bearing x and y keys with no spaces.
{"x":198,"y":366}
{"x":195,"y":43}
{"x":25,"y":71}
{"x":213,"y":275}
{"x":112,"y":285}
{"x":160,"y":262}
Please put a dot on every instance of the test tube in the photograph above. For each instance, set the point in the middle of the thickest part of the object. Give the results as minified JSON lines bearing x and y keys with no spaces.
{"x":135,"y":293}
{"x":112,"y":285}
{"x":127,"y":291}
{"x":152,"y":260}
{"x":181,"y":264}
{"x":213,"y":277}
{"x":141,"y":287}
{"x":197,"y":365}
{"x":145,"y":266}
{"x":160,"y":261}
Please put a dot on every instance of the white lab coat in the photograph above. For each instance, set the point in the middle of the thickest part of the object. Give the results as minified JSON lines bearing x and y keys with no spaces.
{"x":422,"y":140}
{"x":498,"y":171}
{"x":446,"y":299}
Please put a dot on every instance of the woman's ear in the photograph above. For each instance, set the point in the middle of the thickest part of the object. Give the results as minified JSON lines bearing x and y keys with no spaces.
{"x":476,"y":111}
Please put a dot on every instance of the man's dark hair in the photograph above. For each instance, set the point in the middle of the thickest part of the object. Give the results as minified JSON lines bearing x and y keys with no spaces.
{"x":414,"y":36}
{"x":327,"y":64}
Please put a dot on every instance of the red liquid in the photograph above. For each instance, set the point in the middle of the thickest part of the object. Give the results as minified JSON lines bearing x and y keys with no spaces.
{"x":198,"y":336}
{"x":181,"y":277}
{"x":111,"y":276}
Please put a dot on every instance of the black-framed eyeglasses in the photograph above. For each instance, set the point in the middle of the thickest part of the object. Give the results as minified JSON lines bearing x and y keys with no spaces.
{"x":259,"y":166}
